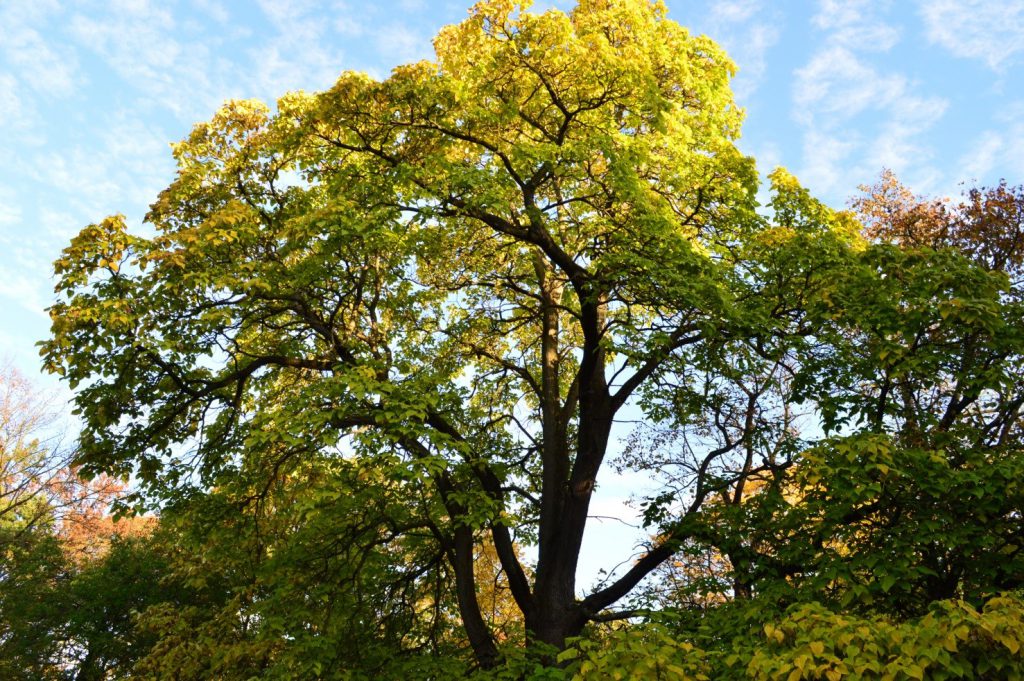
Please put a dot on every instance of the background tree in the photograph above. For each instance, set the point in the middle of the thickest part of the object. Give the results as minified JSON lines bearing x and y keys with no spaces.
{"x":33,"y":486}
{"x":904,"y":518}
{"x":70,"y":577}
{"x":32,"y":463}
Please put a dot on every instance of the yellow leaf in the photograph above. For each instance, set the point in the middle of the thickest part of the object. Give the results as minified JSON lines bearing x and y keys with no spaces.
{"x":1011,"y":644}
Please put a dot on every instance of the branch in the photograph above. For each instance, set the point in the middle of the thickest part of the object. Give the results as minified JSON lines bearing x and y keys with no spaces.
{"x":599,"y":600}
{"x":519,"y":585}
{"x":677,"y":339}
{"x":620,"y":615}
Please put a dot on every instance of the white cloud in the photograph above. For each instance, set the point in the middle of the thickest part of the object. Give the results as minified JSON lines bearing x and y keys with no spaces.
{"x":303,"y":54}
{"x":412,"y":6}
{"x":19,"y":120}
{"x":215,"y":10}
{"x":12,"y":110}
{"x":140,"y":42}
{"x":129,"y":164}
{"x":1015,"y":153}
{"x":163,"y":56}
{"x":80,"y":177}
{"x":835,"y":85}
{"x":897,"y":146}
{"x":286,"y":11}
{"x":58,"y":225}
{"x":825,"y":155}
{"x":977,"y":29}
{"x":839,"y":90}
{"x":750,"y":54}
{"x":979,"y":161}
{"x":10,"y":211}
{"x":42,"y":67}
{"x":401,"y":44}
{"x":852,"y":23}
{"x":747,"y":29}
{"x":999,"y":152}
{"x":22,"y":289}
{"x":991,"y":155}
{"x":348,"y":26}
{"x":734,"y":11}
{"x":138,"y":155}
{"x":30,"y":69}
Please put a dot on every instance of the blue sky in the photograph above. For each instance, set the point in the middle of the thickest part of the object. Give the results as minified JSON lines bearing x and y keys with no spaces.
{"x":93,"y":91}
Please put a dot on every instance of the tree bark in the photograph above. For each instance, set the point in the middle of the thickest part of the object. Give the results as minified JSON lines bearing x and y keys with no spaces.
{"x":484,"y":648}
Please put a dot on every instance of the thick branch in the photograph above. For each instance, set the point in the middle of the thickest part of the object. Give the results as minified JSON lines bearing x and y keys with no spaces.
{"x":677,"y":339}
{"x":519,"y":585}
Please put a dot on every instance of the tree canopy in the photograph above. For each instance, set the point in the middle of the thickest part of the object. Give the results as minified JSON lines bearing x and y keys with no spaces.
{"x":387,"y":330}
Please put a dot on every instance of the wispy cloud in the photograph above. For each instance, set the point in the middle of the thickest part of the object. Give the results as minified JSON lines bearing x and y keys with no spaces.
{"x":12,"y":109}
{"x":128,"y":167}
{"x":412,"y":6}
{"x":402,"y":43}
{"x":852,"y":23}
{"x":825,"y":155}
{"x":977,"y":29}
{"x":747,"y":29}
{"x":979,"y":161}
{"x":348,"y":25}
{"x":1013,"y":117}
{"x":20,"y":288}
{"x":43,"y":67}
{"x":140,"y":41}
{"x":735,"y":11}
{"x":841,"y":89}
{"x":10,"y":211}
{"x":213,"y":9}
{"x":33,"y":72}
{"x":303,"y":54}
{"x":996,"y":152}
{"x":898,"y":144}
{"x":836,"y":85}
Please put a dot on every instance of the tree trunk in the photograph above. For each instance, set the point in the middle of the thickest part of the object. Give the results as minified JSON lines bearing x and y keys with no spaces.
{"x":552,"y":622}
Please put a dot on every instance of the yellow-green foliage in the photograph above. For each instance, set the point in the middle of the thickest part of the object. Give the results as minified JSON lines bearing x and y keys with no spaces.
{"x":953,"y":641}
{"x":636,"y":653}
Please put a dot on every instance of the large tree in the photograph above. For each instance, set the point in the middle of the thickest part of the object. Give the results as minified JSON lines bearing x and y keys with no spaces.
{"x":441,"y":291}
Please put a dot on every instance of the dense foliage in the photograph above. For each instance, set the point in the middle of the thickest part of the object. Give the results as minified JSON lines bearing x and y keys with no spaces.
{"x":384,"y":341}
